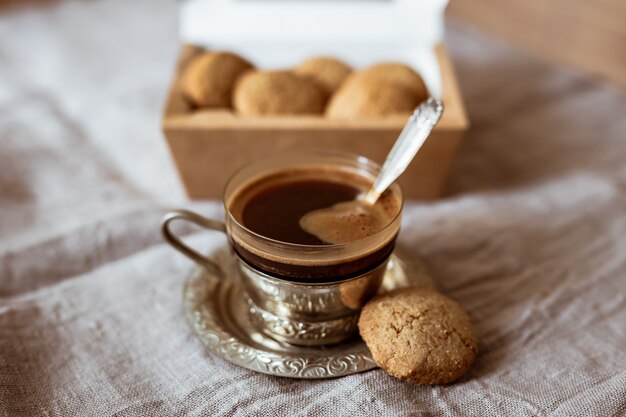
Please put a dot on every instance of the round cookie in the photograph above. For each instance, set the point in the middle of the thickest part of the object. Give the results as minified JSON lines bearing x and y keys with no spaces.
{"x":419,"y":335}
{"x":396,"y":73}
{"x":329,"y":72}
{"x":358,"y":98}
{"x":278,"y":92}
{"x":209,"y":78}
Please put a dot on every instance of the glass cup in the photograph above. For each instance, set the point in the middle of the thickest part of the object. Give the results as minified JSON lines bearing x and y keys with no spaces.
{"x":305,"y":295}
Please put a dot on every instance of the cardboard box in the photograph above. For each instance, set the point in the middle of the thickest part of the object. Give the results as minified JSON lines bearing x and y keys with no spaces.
{"x":208,"y":145}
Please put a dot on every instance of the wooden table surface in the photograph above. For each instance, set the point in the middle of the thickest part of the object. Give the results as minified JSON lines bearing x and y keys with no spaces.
{"x":589,"y":35}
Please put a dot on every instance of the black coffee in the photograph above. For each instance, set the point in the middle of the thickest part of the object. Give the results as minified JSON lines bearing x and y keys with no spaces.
{"x":314,"y":208}
{"x":276,"y":212}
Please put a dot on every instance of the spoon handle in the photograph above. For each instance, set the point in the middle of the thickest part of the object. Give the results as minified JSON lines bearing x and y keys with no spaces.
{"x":411,"y":139}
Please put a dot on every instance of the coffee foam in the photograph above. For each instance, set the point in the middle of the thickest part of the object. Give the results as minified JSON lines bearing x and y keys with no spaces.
{"x":348,"y":221}
{"x":389,"y":203}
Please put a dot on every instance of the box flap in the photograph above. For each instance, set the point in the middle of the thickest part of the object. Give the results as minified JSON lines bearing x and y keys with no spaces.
{"x":281,"y":33}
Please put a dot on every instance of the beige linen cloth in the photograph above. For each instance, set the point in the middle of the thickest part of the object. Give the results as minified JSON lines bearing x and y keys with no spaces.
{"x":531,"y":238}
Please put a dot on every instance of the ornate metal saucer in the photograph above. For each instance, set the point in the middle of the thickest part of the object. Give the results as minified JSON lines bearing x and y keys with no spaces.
{"x":217,"y":312}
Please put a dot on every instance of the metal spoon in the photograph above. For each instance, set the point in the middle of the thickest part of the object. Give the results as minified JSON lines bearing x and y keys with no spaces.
{"x":420,"y":124}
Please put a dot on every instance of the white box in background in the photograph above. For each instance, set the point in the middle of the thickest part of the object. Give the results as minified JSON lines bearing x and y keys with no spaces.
{"x":282,"y":33}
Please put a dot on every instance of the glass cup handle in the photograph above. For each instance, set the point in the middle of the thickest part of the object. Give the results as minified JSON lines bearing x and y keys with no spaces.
{"x":178,"y":244}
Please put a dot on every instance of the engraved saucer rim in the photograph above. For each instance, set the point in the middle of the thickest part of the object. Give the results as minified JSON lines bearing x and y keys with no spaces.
{"x":208,"y":319}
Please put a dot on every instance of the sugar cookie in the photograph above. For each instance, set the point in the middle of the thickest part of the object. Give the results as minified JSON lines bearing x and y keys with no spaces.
{"x":209,"y":78}
{"x":419,"y":335}
{"x":278,"y":92}
{"x":329,"y":72}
